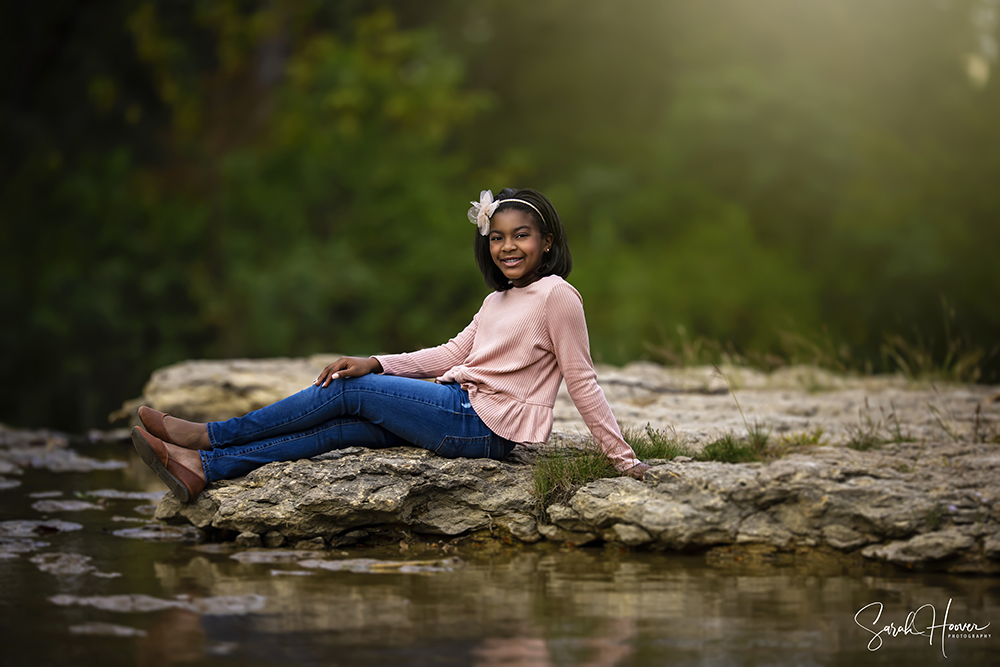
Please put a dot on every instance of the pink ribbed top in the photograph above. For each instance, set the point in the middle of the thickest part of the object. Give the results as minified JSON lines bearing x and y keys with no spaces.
{"x":511,"y":359}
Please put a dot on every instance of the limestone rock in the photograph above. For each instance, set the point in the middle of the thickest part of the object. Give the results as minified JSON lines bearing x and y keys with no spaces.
{"x":570,"y":537}
{"x":521,"y":525}
{"x":629,"y":535}
{"x":991,"y":546}
{"x":274,"y":539}
{"x":248,"y":539}
{"x":315,"y":544}
{"x":921,"y":549}
{"x":923,"y":497}
{"x":303,"y":499}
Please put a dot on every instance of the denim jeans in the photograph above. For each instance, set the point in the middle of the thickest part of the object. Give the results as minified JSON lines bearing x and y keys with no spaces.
{"x":370,"y":411}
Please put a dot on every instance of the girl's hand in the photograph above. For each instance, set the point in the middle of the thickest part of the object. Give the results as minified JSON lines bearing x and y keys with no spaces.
{"x":638,"y":471}
{"x":348,"y":367}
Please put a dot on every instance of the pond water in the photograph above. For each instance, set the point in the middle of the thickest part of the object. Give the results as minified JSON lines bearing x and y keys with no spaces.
{"x":142,"y":602}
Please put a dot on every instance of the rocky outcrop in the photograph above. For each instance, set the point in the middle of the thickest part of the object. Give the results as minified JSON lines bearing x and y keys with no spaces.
{"x":924,"y":500}
{"x":938,"y":514}
{"x":342,"y":497}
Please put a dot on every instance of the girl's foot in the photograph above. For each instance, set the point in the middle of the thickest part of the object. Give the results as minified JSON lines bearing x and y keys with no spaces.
{"x":179,"y":468}
{"x":189,"y":458}
{"x":190,"y":435}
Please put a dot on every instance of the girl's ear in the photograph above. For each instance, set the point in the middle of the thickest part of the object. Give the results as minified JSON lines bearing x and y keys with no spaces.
{"x":548,"y":240}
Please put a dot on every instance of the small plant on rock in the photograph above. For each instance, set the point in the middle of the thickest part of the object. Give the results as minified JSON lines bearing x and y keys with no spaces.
{"x":867,"y":433}
{"x":896,"y":433}
{"x":757,"y":434}
{"x":804,"y":438}
{"x":559,"y":473}
{"x":934,"y":516}
{"x":729,"y":449}
{"x":650,"y":443}
{"x":793,"y":441}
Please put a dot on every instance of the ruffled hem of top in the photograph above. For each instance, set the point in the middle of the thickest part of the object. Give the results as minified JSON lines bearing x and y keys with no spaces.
{"x":514,"y":420}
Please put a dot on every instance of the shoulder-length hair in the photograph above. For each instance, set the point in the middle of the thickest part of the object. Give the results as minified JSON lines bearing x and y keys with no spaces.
{"x":558,"y":260}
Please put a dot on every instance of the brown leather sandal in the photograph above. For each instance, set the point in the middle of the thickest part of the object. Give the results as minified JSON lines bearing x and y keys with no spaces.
{"x":153,"y":421}
{"x":185,"y":484}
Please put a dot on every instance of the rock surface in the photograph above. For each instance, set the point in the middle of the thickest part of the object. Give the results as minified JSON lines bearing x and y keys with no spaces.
{"x":359,"y":489}
{"x":924,"y":500}
{"x":939,"y":515}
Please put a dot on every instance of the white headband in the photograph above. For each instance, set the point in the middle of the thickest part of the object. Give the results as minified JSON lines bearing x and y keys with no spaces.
{"x":483,"y":210}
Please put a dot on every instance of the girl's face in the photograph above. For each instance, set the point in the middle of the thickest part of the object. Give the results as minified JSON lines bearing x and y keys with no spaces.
{"x":517,"y":246}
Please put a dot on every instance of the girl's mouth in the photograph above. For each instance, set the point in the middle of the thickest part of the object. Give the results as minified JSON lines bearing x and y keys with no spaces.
{"x":512,"y":261}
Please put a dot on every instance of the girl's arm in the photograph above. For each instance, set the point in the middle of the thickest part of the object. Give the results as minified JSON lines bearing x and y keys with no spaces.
{"x":433,"y":361}
{"x":567,"y":327}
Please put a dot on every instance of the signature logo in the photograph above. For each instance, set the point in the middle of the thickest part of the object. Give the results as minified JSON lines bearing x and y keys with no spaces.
{"x":914,"y":626}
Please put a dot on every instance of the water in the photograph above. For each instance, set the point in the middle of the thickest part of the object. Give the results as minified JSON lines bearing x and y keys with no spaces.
{"x":493,"y":605}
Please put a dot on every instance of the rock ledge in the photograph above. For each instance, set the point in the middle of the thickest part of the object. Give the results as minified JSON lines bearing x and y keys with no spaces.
{"x":937,"y":516}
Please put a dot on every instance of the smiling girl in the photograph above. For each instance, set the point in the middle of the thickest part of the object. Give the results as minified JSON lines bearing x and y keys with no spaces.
{"x":496,"y":381}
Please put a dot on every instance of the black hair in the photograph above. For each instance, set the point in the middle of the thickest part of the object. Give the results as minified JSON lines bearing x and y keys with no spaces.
{"x":558,"y":260}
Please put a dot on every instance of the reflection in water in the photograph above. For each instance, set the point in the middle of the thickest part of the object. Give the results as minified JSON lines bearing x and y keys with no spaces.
{"x":544,"y":607}
{"x":532,"y":606}
{"x":177,"y":636}
{"x":611,"y":644}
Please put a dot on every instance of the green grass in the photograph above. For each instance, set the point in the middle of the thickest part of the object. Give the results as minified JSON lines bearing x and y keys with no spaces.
{"x":559,"y":473}
{"x":803,"y":439}
{"x":896,"y":432}
{"x":730,"y":449}
{"x":919,"y":357}
{"x":758,"y":435}
{"x":867,"y":433}
{"x":934,"y":516}
{"x":650,"y":443}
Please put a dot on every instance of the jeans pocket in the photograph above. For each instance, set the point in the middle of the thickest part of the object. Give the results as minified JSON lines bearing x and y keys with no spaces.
{"x":453,"y":447}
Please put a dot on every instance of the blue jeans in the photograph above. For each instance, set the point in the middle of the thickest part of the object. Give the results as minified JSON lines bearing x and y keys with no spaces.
{"x":370,"y":411}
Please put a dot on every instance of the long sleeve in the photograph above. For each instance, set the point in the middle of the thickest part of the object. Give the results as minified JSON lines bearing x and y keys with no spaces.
{"x":433,"y":361}
{"x":567,"y":329}
{"x":511,"y":359}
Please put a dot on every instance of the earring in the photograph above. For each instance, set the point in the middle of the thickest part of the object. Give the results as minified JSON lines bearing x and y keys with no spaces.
{"x":546,"y":250}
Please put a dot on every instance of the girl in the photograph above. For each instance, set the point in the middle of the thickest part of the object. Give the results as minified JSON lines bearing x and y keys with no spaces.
{"x":496,"y":381}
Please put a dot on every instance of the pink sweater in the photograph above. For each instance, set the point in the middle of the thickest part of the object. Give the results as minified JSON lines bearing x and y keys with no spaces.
{"x":511,"y":359}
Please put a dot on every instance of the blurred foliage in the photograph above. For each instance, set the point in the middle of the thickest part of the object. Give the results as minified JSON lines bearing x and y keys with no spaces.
{"x":768,"y":180}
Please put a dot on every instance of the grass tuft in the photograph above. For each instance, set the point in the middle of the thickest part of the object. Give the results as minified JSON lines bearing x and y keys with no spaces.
{"x":650,"y":443}
{"x":804,"y":438}
{"x":896,"y":433}
{"x":729,"y":449}
{"x":558,"y":474}
{"x":962,"y":361}
{"x":758,"y":433}
{"x":934,"y":516}
{"x":867,"y":433}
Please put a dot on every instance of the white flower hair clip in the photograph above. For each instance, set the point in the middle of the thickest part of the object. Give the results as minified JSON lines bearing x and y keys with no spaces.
{"x":482,"y":211}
